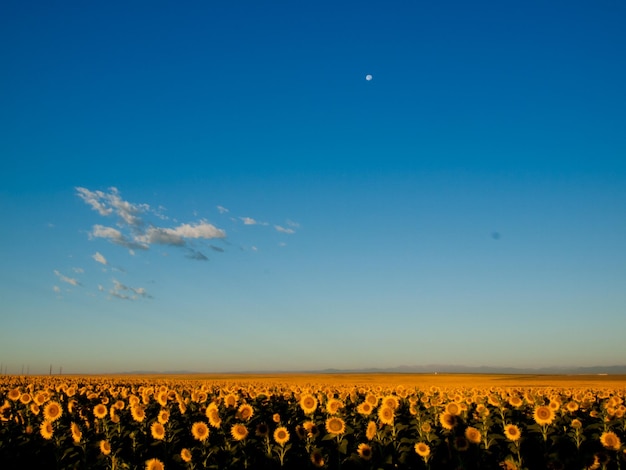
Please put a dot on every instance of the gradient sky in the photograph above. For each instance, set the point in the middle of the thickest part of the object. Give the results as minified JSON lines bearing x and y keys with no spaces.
{"x":216,"y":186}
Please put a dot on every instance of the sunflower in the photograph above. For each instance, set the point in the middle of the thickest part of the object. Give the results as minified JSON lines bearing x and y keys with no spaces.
{"x":26,"y":398}
{"x":515,"y":401}
{"x":448,"y":421}
{"x":308,"y":403}
{"x":113,"y":415}
{"x":185,"y":455}
{"x":317,"y":458}
{"x":200,"y":431}
{"x":213,"y":414}
{"x":281,"y":435}
{"x":164,"y":416}
{"x":365,"y":451}
{"x":157,"y":430}
{"x":610,"y":440}
{"x":422,"y":449}
{"x":311,"y":429}
{"x":543,"y":415}
{"x":154,"y":464}
{"x":276,"y":418}
{"x":335,"y":426}
{"x":77,"y":435}
{"x":390,"y":401}
{"x":333,"y":406}
{"x":100,"y":411}
{"x":512,"y":432}
{"x":40,"y":398}
{"x":46,"y":430}
{"x":473,"y":435}
{"x":509,"y":464}
{"x":52,"y":411}
{"x":426,"y":427}
{"x":371,"y":399}
{"x":105,"y":447}
{"x":245,"y":412}
{"x":239,"y":432}
{"x":14,"y":394}
{"x":371,"y":430}
{"x":364,"y":409}
{"x":453,"y":408}
{"x":385,"y":415}
{"x":138,"y":413}
{"x":230,"y":400}
{"x":34,"y":408}
{"x":571,"y":406}
{"x":576,"y":423}
{"x":162,"y":398}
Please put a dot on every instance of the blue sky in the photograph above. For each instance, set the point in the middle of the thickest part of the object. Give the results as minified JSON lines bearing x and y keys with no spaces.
{"x":216,"y":186}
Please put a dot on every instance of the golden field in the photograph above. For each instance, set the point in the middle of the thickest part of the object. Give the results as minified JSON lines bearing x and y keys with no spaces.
{"x":350,"y":421}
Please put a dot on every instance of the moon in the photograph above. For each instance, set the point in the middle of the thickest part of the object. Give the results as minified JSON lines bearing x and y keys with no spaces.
{"x":368,"y":77}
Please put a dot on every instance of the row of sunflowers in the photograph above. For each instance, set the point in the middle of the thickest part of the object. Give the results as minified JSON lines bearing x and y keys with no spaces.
{"x":134,"y":423}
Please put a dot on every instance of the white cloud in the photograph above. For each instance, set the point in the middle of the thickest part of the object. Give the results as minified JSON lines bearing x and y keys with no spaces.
{"x":56,"y":289}
{"x":115,"y":236}
{"x":78,"y":270}
{"x":122,"y":291}
{"x":284,"y":230}
{"x":200,"y":230}
{"x":161,"y":236}
{"x":248,"y":221}
{"x":94,"y":198}
{"x":99,"y":258}
{"x":69,"y":280}
{"x":108,"y":203}
{"x":222,"y":209}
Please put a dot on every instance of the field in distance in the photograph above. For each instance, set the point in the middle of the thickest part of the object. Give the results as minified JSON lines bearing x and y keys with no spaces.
{"x":413,"y":380}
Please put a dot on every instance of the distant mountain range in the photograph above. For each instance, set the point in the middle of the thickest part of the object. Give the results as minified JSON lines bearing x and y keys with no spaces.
{"x":424,"y":369}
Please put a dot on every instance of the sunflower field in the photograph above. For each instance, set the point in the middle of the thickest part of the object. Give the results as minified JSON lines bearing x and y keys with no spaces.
{"x":163,"y":423}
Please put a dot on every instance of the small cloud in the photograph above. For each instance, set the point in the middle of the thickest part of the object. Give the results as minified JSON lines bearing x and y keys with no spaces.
{"x":193,"y":254}
{"x":78,"y":270}
{"x":108,"y":203}
{"x":254,"y":248}
{"x":282,"y":244}
{"x":50,"y":225}
{"x":284,"y":230}
{"x":69,"y":280}
{"x":99,"y":258}
{"x":248,"y":221}
{"x":115,"y":236}
{"x":368,"y":77}
{"x":100,"y":287}
{"x":293,"y":224}
{"x":222,"y":210}
{"x":124,"y":292}
{"x":56,"y":289}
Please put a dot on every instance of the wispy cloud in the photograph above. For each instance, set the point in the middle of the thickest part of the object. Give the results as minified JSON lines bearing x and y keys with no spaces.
{"x":124,"y":292}
{"x":99,"y":258}
{"x":134,"y":232}
{"x":69,"y":280}
{"x":108,"y":203}
{"x":115,"y":236}
{"x":248,"y":221}
{"x":282,"y":229}
{"x":194,"y":254}
{"x":222,"y":210}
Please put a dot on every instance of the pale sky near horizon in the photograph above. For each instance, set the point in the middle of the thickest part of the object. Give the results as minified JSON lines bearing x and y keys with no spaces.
{"x":237,"y":186}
